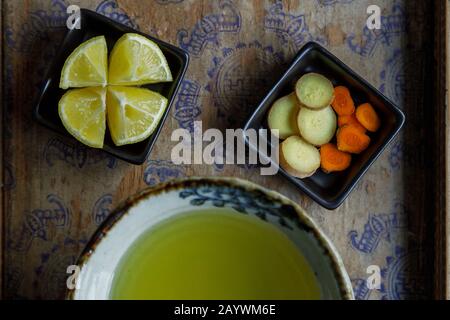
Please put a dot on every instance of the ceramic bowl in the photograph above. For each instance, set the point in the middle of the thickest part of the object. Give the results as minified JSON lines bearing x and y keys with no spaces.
{"x":92,"y":25}
{"x":330,"y":190}
{"x":102,"y":255}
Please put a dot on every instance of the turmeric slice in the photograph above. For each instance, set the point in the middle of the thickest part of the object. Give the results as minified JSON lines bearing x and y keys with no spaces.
{"x":351,"y":139}
{"x":367,"y":116}
{"x":347,"y":120}
{"x":332,"y":159}
{"x":343,"y":103}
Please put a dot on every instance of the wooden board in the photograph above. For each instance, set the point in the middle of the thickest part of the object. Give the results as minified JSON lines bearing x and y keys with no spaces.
{"x":446,"y":71}
{"x":441,"y":149}
{"x":55,"y":191}
{"x":1,"y":165}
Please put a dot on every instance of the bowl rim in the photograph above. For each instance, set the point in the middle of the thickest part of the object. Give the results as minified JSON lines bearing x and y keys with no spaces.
{"x":337,"y":265}
{"x":400,"y":118}
{"x":181,"y":53}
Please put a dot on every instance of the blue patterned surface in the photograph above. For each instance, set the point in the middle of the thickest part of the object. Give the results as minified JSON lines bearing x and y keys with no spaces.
{"x":208,"y":29}
{"x":110,"y":9}
{"x":399,"y":274}
{"x":41,"y":21}
{"x":41,"y":223}
{"x":291,"y":28}
{"x":380,"y":239}
{"x":187,"y":108}
{"x":396,"y":154}
{"x":24,"y":39}
{"x":233,"y":85}
{"x":75,"y":154}
{"x":333,"y":2}
{"x":393,"y":25}
{"x":378,"y":227}
{"x":393,"y":78}
{"x":50,"y":274}
{"x":158,"y":171}
{"x":166,"y":2}
{"x":102,"y":209}
{"x":400,"y":279}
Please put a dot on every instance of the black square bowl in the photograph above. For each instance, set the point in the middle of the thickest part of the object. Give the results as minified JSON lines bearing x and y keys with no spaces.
{"x":94,"y":24}
{"x":330,"y":190}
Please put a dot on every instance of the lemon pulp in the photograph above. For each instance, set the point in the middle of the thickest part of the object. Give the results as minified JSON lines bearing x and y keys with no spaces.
{"x":136,"y":60}
{"x":82,"y":112}
{"x":86,"y":66}
{"x":133,"y":113}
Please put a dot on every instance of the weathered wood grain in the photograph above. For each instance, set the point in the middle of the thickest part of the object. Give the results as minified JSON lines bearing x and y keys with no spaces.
{"x":440,"y":150}
{"x":2,"y":223}
{"x":446,"y":263}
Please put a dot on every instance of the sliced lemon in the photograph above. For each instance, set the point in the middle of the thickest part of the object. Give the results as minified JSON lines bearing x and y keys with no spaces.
{"x":136,"y":60}
{"x":82,"y":112}
{"x":133,"y":113}
{"x":87,"y":65}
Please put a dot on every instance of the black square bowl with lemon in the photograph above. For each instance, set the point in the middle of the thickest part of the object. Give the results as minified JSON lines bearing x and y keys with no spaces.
{"x":75,"y":102}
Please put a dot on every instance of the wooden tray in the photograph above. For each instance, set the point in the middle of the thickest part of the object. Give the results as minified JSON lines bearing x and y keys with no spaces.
{"x":55,"y":192}
{"x":443,"y":221}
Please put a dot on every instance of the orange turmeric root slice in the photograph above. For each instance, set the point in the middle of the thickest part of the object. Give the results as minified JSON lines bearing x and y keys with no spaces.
{"x":332,"y":159}
{"x":343,"y":103}
{"x":368,"y":117}
{"x":350,"y":120}
{"x":351,"y":139}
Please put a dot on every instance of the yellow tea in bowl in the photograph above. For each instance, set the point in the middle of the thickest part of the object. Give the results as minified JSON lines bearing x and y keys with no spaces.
{"x":214,"y":255}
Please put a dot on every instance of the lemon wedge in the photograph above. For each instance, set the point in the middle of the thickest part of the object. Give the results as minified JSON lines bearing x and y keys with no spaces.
{"x":133,"y":113}
{"x":87,"y":65}
{"x":83,"y":114}
{"x":136,"y":60}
